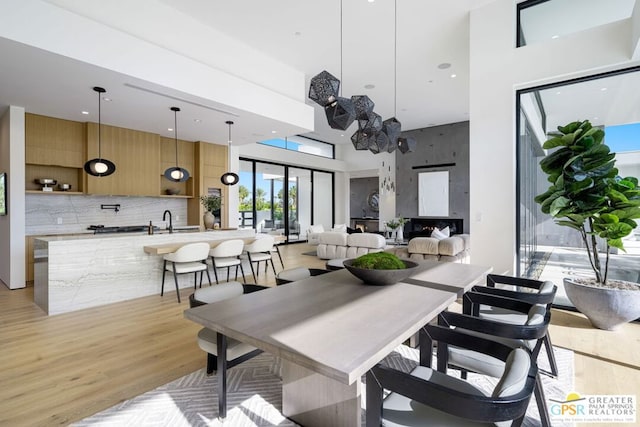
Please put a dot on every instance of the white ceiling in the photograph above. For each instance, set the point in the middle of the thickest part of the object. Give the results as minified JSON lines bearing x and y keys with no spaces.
{"x":305,"y":35}
{"x":302,"y":34}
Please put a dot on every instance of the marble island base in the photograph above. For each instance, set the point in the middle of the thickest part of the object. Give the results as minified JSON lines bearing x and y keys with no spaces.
{"x":76,"y":272}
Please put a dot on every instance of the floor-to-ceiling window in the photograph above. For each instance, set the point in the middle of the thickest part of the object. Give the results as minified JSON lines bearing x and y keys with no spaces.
{"x":270,"y":206}
{"x":546,"y":250}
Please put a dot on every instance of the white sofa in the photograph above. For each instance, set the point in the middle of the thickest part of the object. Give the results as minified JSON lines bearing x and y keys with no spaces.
{"x":453,"y":249}
{"x":334,"y":244}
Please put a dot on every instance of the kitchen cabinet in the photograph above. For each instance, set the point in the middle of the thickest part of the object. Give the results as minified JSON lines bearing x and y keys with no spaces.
{"x":185,"y":160}
{"x":211,"y":162}
{"x":136,"y":155}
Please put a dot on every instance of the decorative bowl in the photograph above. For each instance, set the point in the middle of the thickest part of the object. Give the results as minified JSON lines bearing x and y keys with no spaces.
{"x":382,"y":277}
{"x":46,"y":181}
{"x":64,"y":187}
{"x":172,"y":191}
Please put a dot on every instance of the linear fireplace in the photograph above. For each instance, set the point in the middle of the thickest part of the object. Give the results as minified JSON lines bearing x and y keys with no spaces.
{"x":422,"y":227}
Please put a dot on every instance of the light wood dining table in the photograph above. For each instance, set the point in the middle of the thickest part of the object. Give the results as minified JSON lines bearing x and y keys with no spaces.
{"x":328,"y":330}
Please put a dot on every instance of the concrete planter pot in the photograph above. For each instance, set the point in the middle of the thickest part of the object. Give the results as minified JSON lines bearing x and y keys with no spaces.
{"x":606,"y":308}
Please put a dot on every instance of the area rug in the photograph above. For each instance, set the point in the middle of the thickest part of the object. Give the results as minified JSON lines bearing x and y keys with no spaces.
{"x":255,"y":398}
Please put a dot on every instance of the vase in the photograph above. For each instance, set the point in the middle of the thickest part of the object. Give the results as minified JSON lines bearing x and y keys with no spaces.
{"x":209,"y":219}
{"x":606,"y":307}
{"x":399,"y":235}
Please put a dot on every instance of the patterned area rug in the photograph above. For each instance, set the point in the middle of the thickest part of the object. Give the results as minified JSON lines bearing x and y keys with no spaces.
{"x":255,"y":396}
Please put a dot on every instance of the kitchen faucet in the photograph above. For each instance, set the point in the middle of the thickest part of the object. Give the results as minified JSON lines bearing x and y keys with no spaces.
{"x":164,"y":218}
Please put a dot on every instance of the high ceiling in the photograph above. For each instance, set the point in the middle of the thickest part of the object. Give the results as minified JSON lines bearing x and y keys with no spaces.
{"x":305,"y":35}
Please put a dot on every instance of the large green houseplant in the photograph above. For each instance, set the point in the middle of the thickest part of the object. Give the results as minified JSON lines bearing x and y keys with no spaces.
{"x":587,"y":194}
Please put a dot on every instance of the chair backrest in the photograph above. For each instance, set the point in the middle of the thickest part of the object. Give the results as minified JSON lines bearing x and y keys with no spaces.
{"x":190,"y":252}
{"x":263,"y":243}
{"x":228,"y":248}
{"x":219,"y":292}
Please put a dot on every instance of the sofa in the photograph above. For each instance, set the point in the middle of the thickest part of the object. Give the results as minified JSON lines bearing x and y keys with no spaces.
{"x":455,"y":248}
{"x":334,"y":244}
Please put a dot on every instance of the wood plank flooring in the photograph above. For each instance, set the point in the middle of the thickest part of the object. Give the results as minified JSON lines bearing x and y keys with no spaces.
{"x":55,"y":370}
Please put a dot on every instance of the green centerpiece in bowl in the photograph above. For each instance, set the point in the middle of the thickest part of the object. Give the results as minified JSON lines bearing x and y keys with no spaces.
{"x":381,"y":268}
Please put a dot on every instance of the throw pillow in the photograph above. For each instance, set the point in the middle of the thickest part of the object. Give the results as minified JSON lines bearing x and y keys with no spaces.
{"x":342,"y":228}
{"x":438,"y":234}
{"x":446,"y":231}
{"x":316,"y":228}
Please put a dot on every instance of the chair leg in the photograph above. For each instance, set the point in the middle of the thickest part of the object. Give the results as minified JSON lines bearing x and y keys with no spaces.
{"x":208,"y":277}
{"x":244,"y":279}
{"x":164,"y":273}
{"x":272,"y":266}
{"x":252,"y":270}
{"x":228,"y":273}
{"x":195,"y":280}
{"x":212,"y":364}
{"x":551,"y":355}
{"x":175,"y":279}
{"x":280,"y":256}
{"x":541,"y":402}
{"x":236,"y":272}
{"x":222,"y":375}
{"x":215,"y":270}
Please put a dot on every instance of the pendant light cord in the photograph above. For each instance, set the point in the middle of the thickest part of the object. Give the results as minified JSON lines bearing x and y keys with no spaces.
{"x":175,"y":132}
{"x":99,"y":127}
{"x":395,"y":57}
{"x":341,"y":76}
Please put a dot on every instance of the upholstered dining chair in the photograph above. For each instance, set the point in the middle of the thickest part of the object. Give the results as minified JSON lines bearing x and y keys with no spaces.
{"x":237,"y":352}
{"x":529,"y":335}
{"x":227,"y":254}
{"x":522,"y":289}
{"x":260,"y":250}
{"x":426,"y":397}
{"x":190,"y":258}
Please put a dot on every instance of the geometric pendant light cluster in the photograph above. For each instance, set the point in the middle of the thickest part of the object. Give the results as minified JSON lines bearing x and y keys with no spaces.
{"x":99,"y":166}
{"x":373,"y":133}
{"x":176,"y":173}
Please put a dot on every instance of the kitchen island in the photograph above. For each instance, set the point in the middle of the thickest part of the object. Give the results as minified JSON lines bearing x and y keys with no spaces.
{"x":76,"y":272}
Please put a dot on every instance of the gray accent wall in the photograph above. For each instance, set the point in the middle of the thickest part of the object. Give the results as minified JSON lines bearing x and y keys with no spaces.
{"x":360,"y":190}
{"x":435,"y":145}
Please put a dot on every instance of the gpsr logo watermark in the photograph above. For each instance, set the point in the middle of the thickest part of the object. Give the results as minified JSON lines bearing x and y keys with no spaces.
{"x":594,"y":409}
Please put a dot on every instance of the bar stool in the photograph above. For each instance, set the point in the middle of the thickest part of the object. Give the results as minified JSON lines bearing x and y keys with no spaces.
{"x":260,"y":250}
{"x":190,"y":258}
{"x":227,"y":254}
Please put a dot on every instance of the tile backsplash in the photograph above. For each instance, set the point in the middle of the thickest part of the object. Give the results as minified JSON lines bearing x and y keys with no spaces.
{"x":61,"y":214}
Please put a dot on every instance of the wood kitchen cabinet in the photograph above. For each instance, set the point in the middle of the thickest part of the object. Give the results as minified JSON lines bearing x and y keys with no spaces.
{"x":210,"y":164}
{"x":136,"y":155}
{"x":168,"y":160}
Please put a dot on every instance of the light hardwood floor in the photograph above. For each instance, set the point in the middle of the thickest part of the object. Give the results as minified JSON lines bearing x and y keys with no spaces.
{"x":59,"y":369}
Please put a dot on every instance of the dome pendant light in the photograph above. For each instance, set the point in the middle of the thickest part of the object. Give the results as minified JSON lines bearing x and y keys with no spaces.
{"x":229,"y":178}
{"x":176,"y":174}
{"x":99,"y":166}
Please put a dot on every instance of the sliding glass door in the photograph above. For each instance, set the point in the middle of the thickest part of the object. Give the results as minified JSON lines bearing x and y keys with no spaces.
{"x":270,"y":206}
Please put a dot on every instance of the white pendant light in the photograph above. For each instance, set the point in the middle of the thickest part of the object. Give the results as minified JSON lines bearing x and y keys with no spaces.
{"x":99,"y":166}
{"x":176,"y":173}
{"x":230,"y":178}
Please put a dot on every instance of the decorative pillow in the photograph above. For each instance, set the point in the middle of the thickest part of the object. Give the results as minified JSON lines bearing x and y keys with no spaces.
{"x":316,"y":228}
{"x":438,"y":234}
{"x":342,"y":228}
{"x":446,"y":231}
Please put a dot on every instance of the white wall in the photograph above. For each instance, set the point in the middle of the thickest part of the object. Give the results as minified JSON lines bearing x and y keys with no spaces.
{"x":497,"y":70}
{"x":12,"y":226}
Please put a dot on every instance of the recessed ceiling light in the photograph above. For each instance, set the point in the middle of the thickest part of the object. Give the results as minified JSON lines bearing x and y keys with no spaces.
{"x":444,"y":65}
{"x":453,"y":76}
{"x":371,"y":1}
{"x":197,"y":120}
{"x":596,"y":118}
{"x":555,"y":36}
{"x":106,"y":99}
{"x":274,"y":131}
{"x":558,"y":93}
{"x":85,"y":112}
{"x":342,"y":134}
{"x":170,"y":129}
{"x":369,"y":86}
{"x":603,"y":89}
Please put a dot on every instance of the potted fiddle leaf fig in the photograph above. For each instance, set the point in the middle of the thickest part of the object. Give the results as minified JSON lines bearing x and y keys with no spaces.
{"x":587,"y":195}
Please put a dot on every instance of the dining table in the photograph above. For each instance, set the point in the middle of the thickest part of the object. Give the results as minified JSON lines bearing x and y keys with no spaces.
{"x":329,"y":330}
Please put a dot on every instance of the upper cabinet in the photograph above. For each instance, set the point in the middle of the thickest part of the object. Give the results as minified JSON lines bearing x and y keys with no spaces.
{"x":136,"y":156}
{"x":54,"y":142}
